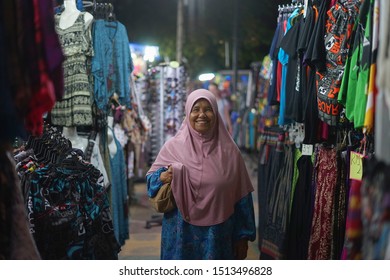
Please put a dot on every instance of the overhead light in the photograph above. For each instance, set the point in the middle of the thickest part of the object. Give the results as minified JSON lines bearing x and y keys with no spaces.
{"x":206,"y":77}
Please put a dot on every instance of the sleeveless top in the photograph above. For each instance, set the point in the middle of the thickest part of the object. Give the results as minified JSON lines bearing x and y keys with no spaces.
{"x":75,"y":108}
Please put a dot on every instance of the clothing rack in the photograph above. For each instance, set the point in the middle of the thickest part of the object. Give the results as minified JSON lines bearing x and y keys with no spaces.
{"x":289,"y":7}
{"x":103,"y":10}
{"x":50,"y":147}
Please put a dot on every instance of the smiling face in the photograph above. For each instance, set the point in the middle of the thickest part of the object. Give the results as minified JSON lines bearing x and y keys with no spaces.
{"x":202,"y":117}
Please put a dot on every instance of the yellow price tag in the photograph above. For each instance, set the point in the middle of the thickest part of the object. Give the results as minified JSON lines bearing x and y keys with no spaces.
{"x":356,"y":166}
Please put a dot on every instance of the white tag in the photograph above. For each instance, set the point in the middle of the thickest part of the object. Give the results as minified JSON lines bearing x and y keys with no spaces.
{"x":307,"y":150}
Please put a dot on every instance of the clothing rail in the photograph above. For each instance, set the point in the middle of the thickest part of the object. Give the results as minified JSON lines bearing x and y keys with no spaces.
{"x":289,"y":7}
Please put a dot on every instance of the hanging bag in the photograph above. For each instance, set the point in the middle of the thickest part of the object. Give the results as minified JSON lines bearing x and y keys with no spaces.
{"x":164,"y":201}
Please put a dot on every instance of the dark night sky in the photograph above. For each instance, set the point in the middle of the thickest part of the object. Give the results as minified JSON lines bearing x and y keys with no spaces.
{"x":153,"y":22}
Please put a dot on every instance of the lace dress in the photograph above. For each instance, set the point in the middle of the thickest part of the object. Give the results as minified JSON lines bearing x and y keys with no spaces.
{"x":75,"y":108}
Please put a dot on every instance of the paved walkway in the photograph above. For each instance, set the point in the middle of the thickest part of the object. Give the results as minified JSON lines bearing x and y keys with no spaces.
{"x":144,"y":242}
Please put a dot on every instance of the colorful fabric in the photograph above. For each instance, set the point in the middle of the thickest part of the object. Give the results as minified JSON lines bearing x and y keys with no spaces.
{"x":372,"y":88}
{"x":208,"y":170}
{"x":45,"y":69}
{"x":33,"y":64}
{"x":321,"y":229}
{"x":353,"y":229}
{"x":364,"y":64}
{"x":69,"y":212}
{"x":337,"y":43}
{"x":340,"y":206}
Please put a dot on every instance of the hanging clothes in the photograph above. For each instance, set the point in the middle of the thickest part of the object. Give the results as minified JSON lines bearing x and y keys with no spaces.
{"x":67,"y":203}
{"x":274,"y":238}
{"x":339,"y":26}
{"x":298,"y":233}
{"x":293,"y":99}
{"x":355,"y":82}
{"x":284,"y":59}
{"x":267,"y":142}
{"x":274,"y":51}
{"x":119,"y":195}
{"x":112,"y":64}
{"x":333,"y":214}
{"x":322,"y":223}
{"x":31,"y":79}
{"x":75,"y":108}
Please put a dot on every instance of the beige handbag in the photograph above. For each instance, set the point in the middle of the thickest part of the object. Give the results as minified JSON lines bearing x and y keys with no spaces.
{"x":164,"y":201}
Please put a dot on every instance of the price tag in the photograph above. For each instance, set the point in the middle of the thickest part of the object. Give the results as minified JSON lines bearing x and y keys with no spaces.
{"x":356,"y":166}
{"x":307,"y":150}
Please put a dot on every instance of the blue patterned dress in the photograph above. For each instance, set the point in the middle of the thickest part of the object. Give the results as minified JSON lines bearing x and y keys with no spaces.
{"x":183,"y":241}
{"x":112,"y":63}
{"x":119,"y":204}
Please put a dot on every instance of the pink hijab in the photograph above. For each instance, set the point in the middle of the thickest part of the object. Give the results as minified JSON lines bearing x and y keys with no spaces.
{"x":209,"y":173}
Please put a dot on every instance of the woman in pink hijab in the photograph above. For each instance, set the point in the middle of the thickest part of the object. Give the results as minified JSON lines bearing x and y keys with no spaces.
{"x":214,"y":218}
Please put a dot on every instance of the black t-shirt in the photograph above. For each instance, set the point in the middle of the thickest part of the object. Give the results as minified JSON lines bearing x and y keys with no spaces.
{"x":289,"y":44}
{"x":315,"y":54}
{"x":306,"y":30}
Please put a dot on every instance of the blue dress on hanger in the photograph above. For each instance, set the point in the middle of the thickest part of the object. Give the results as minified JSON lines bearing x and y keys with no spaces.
{"x":112,"y":63}
{"x":119,"y":205}
{"x":183,"y":241}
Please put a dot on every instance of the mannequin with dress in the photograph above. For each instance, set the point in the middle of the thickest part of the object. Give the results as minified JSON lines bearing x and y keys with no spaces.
{"x":71,"y":13}
{"x":74,"y":31}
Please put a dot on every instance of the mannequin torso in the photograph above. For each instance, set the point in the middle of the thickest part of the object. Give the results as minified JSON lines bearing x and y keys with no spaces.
{"x":77,"y":141}
{"x":71,"y":13}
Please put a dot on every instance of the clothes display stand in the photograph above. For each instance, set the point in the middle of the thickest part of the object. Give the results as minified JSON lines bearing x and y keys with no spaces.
{"x":167,"y":105}
{"x":321,"y":181}
{"x":163,"y":95}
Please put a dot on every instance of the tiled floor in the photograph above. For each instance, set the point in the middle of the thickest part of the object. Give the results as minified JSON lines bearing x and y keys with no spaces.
{"x":144,"y":243}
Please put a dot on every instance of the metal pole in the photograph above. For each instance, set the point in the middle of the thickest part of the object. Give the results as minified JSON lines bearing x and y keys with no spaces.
{"x":235,"y":45}
{"x":227,"y":55}
{"x":179,"y":31}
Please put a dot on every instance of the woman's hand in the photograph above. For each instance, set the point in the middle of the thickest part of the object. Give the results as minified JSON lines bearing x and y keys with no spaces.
{"x":166,"y":176}
{"x":240,"y":248}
